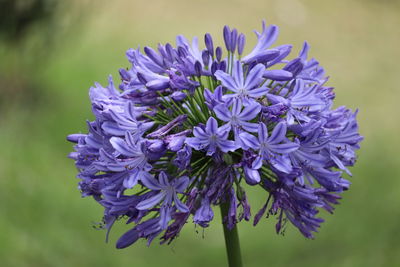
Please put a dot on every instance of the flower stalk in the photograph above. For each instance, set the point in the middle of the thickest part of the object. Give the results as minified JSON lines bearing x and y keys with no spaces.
{"x":232,"y":243}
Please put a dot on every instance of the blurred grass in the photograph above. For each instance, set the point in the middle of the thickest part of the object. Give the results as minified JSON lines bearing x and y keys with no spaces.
{"x":45,"y":222}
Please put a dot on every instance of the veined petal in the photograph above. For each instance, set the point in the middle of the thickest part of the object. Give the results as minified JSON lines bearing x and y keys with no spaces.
{"x":249,"y":140}
{"x":121,"y":146}
{"x":226,"y":80}
{"x":257,"y":163}
{"x":196,"y":143}
{"x":258,"y":92}
{"x":198,"y":132}
{"x":278,"y":133}
{"x":254,"y":76}
{"x":275,"y":99}
{"x":249,"y":126}
{"x":222,"y":112}
{"x":250,"y":112}
{"x":179,"y":205}
{"x":165,"y":216}
{"x":278,"y":75}
{"x":211,"y":149}
{"x":238,"y":74}
{"x":281,"y":163}
{"x":262,"y":132}
{"x":236,"y":107}
{"x":151,"y":202}
{"x":227,"y":145}
{"x":149,"y":181}
{"x":211,"y":126}
{"x":284,"y":148}
{"x":224,"y":130}
{"x":181,"y":183}
{"x":132,"y":179}
{"x":163,"y":179}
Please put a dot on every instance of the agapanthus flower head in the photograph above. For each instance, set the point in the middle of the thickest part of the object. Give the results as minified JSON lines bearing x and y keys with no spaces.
{"x":191,"y":128}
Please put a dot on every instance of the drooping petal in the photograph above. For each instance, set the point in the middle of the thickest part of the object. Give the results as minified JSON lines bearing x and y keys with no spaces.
{"x":165,"y":216}
{"x":252,"y":176}
{"x":257,"y":163}
{"x":179,"y":205}
{"x":127,"y":239}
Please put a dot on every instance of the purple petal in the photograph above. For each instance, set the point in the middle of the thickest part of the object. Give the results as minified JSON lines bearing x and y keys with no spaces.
{"x":249,"y":140}
{"x":158,"y":84}
{"x":179,"y":205}
{"x":211,"y":126}
{"x":181,"y":183}
{"x":132,"y":179}
{"x":196,"y":143}
{"x":149,"y":181}
{"x":281,"y":164}
{"x":278,"y":133}
{"x":163,"y":179}
{"x":278,"y":75}
{"x":226,"y":80}
{"x":151,"y":202}
{"x":277,"y":99}
{"x":238,"y":74}
{"x":236,"y":107}
{"x":127,"y":239}
{"x":252,"y":176}
{"x":254,"y":76}
{"x":304,"y":51}
{"x":250,"y":126}
{"x":250,"y":112}
{"x":227,"y":145}
{"x":165,"y":216}
{"x":284,"y":148}
{"x":257,"y":163}
{"x":120,"y":145}
{"x":222,"y":112}
{"x":258,"y":92}
{"x":262,"y":132}
{"x":75,"y":137}
{"x":199,"y":132}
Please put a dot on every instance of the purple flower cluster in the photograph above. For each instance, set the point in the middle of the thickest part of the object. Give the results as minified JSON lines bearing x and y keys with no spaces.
{"x":188,"y":127}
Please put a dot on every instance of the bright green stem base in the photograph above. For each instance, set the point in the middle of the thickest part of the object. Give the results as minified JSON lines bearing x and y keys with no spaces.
{"x":231,"y":241}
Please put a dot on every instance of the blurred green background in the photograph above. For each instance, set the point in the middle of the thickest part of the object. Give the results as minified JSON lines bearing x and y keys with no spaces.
{"x":52,"y":52}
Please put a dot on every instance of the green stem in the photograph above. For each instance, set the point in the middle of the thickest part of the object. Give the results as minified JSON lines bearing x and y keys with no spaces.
{"x":231,"y":240}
